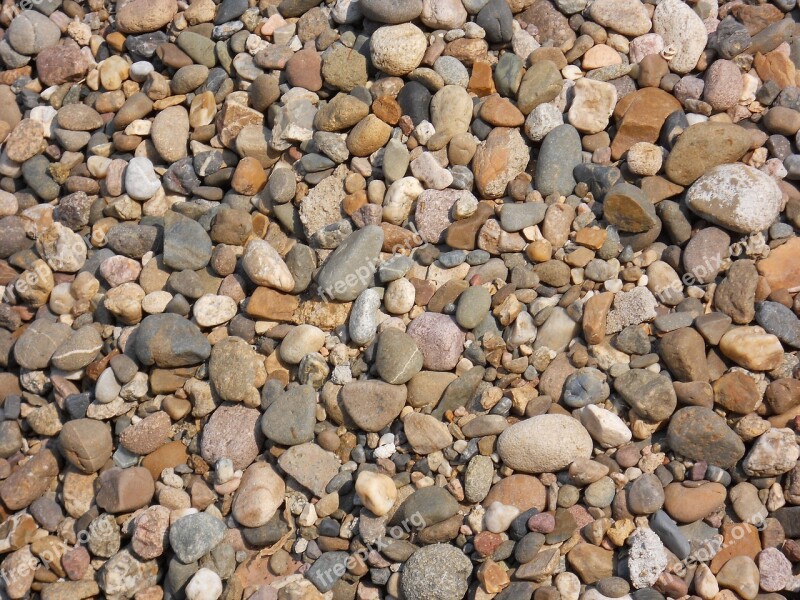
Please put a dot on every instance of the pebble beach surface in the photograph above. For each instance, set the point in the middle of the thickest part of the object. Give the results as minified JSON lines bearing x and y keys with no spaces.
{"x":399,"y":300}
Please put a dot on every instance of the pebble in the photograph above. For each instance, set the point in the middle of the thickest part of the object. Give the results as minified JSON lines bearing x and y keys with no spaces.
{"x":529,"y":446}
{"x":439,"y":570}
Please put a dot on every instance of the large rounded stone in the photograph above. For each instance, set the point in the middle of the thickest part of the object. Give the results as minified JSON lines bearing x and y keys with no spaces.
{"x":544,"y":444}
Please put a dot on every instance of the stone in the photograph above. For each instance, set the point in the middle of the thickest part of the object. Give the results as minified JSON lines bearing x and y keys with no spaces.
{"x":397,"y":49}
{"x":752,"y":348}
{"x":683,"y":351}
{"x":289,"y":420}
{"x":629,"y":209}
{"x":530,"y":445}
{"x":650,"y":394}
{"x":29,"y":480}
{"x":259,"y":495}
{"x":398,"y":357}
{"x":439,"y":339}
{"x":232,"y":432}
{"x":737,"y":197}
{"x":125,"y":490}
{"x":436,"y":571}
{"x":627,"y":18}
{"x":683,"y":30}
{"x":86,"y":444}
{"x":193,"y":536}
{"x":703,"y":146}
{"x":372,"y":405}
{"x":169,"y":341}
{"x":310,"y":465}
{"x":144,"y":16}
{"x":498,"y":160}
{"x":780,"y":268}
{"x":264,"y":266}
{"x":593,"y":104}
{"x":698,"y":433}
{"x":687,"y":504}
{"x":349,"y":269}
{"x":426,"y":434}
{"x":773,"y":453}
{"x":377,"y":491}
{"x":559,"y":155}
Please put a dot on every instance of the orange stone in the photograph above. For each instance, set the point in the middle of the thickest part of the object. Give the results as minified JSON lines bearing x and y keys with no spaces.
{"x":523,"y":491}
{"x":249,"y":178}
{"x":481,"y":81}
{"x":738,"y":539}
{"x":387,"y":109}
{"x":782,"y":267}
{"x":775,"y":66}
{"x":272,"y":305}
{"x":168,"y":456}
{"x":591,"y":237}
{"x":500,"y":112}
{"x":639,"y":117}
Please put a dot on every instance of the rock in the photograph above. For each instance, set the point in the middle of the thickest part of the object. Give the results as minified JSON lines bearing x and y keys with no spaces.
{"x":141,"y":181}
{"x":391,"y":11}
{"x":650,"y":394}
{"x":496,"y":20}
{"x":264,"y":266}
{"x":530,"y":446}
{"x":647,"y":558}
{"x":232,"y":432}
{"x":290,"y":419}
{"x":684,"y":31}
{"x":438,"y":571}
{"x":372,"y":405}
{"x":78,"y":351}
{"x":186,"y":243}
{"x":698,"y":433}
{"x":377,"y":491}
{"x":735,"y":296}
{"x":704,"y":146}
{"x":38,"y":343}
{"x":737,"y":197}
{"x":170,"y":132}
{"x":397,"y":49}
{"x":426,"y":434}
{"x":627,"y":18}
{"x":86,"y":444}
{"x":311,"y":466}
{"x":259,"y":495}
{"x":143,"y":16}
{"x":193,"y":536}
{"x":774,"y":453}
{"x":541,"y":83}
{"x":752,"y":348}
{"x":204,"y":584}
{"x":687,"y":504}
{"x":684,"y":352}
{"x":780,"y":321}
{"x":300,"y":341}
{"x":559,"y":155}
{"x":640,"y":117}
{"x":349,"y":269}
{"x":606,"y":428}
{"x":498,"y":160}
{"x":593,"y":104}
{"x":398,"y":358}
{"x":779,"y":268}
{"x":740,"y":574}
{"x":31,"y":32}
{"x":627,"y":207}
{"x":774,"y":570}
{"x":125,"y":490}
{"x":30,"y":480}
{"x":169,"y":341}
{"x":439,"y":339}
